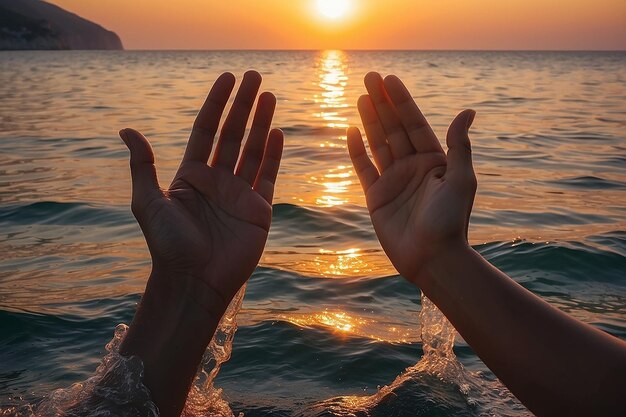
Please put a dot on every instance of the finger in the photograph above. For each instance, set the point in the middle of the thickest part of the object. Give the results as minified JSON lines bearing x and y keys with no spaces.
{"x":227,"y":150}
{"x":375,"y":133}
{"x":459,"y":148}
{"x":266,"y":178}
{"x":397,"y":137}
{"x":208,"y":119}
{"x":365,"y":169}
{"x":255,"y":145}
{"x":419,"y":131}
{"x":460,"y":169}
{"x":142,"y":170}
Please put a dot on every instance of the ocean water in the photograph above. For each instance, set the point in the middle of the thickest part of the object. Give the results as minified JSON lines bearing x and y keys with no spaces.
{"x":327,"y":327}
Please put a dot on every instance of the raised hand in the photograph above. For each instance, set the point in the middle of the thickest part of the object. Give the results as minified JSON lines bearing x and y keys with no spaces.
{"x":206,"y":233}
{"x":419,"y":197}
{"x":212,"y":222}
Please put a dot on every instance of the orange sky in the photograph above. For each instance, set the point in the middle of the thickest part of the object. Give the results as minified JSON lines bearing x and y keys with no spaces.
{"x":370,"y":24}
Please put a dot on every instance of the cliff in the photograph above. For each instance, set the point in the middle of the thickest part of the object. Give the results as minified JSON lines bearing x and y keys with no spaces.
{"x":35,"y":24}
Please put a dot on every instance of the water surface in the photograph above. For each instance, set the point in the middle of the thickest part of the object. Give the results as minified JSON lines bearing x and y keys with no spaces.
{"x":325,"y":315}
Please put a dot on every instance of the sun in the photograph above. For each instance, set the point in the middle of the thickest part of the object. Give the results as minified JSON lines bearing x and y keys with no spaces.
{"x":333,"y":9}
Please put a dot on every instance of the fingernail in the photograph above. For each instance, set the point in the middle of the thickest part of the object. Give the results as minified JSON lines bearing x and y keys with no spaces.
{"x":470,"y":118}
{"x":124,"y":136}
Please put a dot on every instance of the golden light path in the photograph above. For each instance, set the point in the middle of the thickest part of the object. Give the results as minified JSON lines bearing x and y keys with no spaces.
{"x":348,"y":262}
{"x":333,"y":187}
{"x":335,"y":182}
{"x":329,"y":263}
{"x":332,"y":100}
{"x":333,"y":81}
{"x":348,"y":323}
{"x":338,"y":186}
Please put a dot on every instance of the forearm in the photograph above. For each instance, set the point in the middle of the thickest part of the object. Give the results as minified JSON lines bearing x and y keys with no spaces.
{"x":539,"y":352}
{"x":172,"y":327}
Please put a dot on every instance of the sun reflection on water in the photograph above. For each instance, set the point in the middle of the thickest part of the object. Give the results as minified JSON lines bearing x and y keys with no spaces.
{"x":339,"y":320}
{"x":336,"y":183}
{"x":333,"y":81}
{"x":346,"y":262}
{"x":330,"y":263}
{"x":332,"y":182}
{"x":344,"y":322}
{"x":333,"y":107}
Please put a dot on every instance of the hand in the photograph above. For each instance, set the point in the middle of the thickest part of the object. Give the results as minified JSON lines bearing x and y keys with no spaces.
{"x":212,"y":222}
{"x":206,"y":233}
{"x":419,"y":197}
{"x":420,"y":200}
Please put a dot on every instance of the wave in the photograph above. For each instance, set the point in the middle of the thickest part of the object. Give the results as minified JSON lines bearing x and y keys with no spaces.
{"x":601,"y":259}
{"x":335,"y":224}
{"x":349,"y":219}
{"x":311,"y":130}
{"x":64,"y":214}
{"x":315,"y":353}
{"x":585,"y":279}
{"x":39,"y":349}
{"x":553,"y":216}
{"x":589,"y":182}
{"x":318,"y":358}
{"x":558,"y":138}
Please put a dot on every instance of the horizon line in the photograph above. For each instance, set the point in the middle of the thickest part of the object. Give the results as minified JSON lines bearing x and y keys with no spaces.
{"x":328,"y":49}
{"x":374,"y":50}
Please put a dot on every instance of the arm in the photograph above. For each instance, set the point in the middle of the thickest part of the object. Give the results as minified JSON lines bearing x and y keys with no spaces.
{"x":206,"y":234}
{"x":555,"y":364}
{"x":420,"y":200}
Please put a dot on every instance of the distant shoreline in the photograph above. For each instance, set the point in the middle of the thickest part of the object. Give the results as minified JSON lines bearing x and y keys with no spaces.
{"x":34,"y":25}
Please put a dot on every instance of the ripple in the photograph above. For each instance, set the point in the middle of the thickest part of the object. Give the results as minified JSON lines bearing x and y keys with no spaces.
{"x":64,"y":214}
{"x":589,"y":182}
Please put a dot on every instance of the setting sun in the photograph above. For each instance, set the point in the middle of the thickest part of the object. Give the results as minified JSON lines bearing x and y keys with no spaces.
{"x":333,"y":9}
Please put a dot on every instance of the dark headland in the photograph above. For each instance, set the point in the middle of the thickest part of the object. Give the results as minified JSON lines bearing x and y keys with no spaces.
{"x":35,"y":24}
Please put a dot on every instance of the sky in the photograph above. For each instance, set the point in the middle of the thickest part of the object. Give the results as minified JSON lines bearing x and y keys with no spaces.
{"x":366,"y":24}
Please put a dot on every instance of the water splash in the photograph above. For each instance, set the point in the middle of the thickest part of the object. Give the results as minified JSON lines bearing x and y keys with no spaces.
{"x":481,"y":397}
{"x":204,"y":398}
{"x":117,"y":390}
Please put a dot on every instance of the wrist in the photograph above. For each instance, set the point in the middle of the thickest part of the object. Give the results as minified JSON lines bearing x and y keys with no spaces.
{"x":434,"y":266}
{"x":176,"y":317}
{"x":186,"y":290}
{"x":172,"y":327}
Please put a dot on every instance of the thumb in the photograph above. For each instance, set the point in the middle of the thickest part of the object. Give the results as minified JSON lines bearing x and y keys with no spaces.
{"x":460,"y":148}
{"x":142,"y":169}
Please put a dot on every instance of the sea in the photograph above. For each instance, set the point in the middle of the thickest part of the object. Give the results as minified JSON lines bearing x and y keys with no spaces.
{"x":326,"y":326}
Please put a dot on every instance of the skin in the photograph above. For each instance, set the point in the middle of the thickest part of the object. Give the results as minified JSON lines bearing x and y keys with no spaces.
{"x":206,"y":233}
{"x":420,"y":199}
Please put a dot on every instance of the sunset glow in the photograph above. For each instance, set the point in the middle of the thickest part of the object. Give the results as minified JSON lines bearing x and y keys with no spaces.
{"x":362,"y":24}
{"x":333,"y":9}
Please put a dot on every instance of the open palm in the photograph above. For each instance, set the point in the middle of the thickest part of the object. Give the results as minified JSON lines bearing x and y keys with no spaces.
{"x":212,"y":223}
{"x":419,"y":198}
